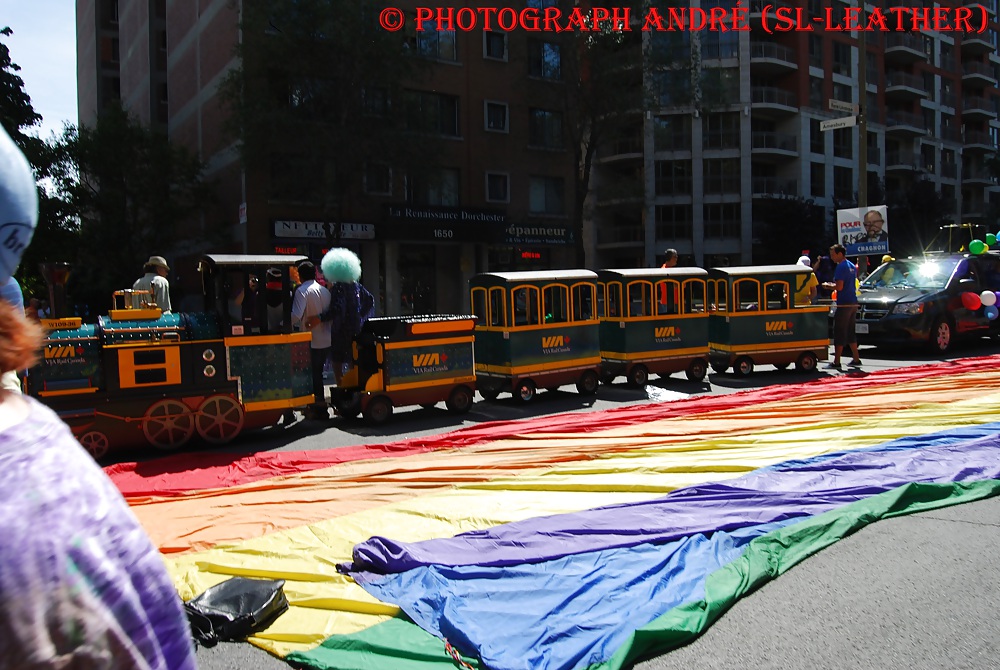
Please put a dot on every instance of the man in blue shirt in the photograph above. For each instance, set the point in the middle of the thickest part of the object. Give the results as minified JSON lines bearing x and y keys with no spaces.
{"x":844,"y":281}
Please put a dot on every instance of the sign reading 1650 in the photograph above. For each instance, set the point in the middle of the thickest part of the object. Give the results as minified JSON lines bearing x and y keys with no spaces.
{"x":444,"y":233}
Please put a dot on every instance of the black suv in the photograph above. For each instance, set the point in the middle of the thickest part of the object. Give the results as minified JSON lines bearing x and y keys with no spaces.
{"x":919,"y":300}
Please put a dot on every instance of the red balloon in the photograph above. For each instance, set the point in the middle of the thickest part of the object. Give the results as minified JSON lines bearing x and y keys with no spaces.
{"x":971,"y":300}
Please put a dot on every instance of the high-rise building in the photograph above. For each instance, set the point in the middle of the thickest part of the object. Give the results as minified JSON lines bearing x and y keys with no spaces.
{"x":736,"y":117}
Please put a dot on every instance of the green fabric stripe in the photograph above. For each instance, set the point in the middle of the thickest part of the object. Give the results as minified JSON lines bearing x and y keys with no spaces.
{"x":402,"y":645}
{"x":398,"y":644}
{"x":775,"y":553}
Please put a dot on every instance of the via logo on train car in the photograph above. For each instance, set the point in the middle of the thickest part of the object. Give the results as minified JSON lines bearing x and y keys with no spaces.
{"x":436,"y":362}
{"x":555,"y":344}
{"x":58,"y":353}
{"x":779,"y":328}
{"x":667,"y":334}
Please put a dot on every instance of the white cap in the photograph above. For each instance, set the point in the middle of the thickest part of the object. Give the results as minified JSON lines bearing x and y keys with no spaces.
{"x":804,"y":260}
{"x":18,"y":205}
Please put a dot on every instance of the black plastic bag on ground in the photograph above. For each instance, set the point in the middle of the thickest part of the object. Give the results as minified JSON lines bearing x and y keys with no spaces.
{"x":235,"y":608}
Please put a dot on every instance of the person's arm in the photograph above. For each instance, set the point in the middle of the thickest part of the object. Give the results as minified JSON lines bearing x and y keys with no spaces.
{"x":298,"y":307}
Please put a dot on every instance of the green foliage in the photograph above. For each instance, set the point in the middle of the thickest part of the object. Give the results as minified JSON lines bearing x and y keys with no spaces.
{"x":784,"y":226}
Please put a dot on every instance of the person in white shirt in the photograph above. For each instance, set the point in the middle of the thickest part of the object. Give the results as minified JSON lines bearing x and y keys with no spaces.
{"x":312,"y":299}
{"x":155,"y":282}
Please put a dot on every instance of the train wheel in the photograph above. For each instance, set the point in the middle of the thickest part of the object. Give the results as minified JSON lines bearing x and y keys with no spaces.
{"x":460,"y":400}
{"x":378,"y":410}
{"x":96,"y":443}
{"x":168,"y":424}
{"x":588,"y":383}
{"x":490,"y":393}
{"x":743,"y":366}
{"x":526,"y":391}
{"x":219,"y":419}
{"x":807,"y":362}
{"x":697,"y":370}
{"x":638,"y":376}
{"x":347,"y":405}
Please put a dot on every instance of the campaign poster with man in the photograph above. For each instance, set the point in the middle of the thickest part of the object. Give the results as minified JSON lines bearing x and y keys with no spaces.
{"x":864,"y":231}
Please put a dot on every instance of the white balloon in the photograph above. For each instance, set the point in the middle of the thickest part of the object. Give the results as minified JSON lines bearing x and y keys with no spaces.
{"x":988,"y":298}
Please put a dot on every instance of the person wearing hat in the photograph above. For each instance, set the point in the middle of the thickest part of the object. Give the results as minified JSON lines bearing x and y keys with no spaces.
{"x":81,"y":583}
{"x":806,"y":285}
{"x":155,"y":282}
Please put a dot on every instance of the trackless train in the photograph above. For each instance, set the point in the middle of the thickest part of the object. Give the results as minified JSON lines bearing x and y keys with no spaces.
{"x":140,"y":376}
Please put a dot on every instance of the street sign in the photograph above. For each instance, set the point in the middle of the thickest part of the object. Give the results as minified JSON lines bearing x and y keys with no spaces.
{"x":843,"y":122}
{"x":840,"y":106}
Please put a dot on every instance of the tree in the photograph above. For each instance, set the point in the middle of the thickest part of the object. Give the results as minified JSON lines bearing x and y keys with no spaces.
{"x":784,"y":226}
{"x":131,"y":189}
{"x":916,"y":214}
{"x":318,"y":92}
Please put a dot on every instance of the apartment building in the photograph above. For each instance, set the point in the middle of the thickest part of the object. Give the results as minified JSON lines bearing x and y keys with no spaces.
{"x":736,"y":117}
{"x":498,"y":196}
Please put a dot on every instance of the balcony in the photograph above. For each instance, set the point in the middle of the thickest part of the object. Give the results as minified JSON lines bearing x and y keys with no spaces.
{"x":757,"y":9}
{"x":765,"y":186}
{"x":978,"y":176}
{"x":900,"y":161}
{"x":947,"y":99}
{"x":975,"y":73}
{"x":976,"y":43}
{"x":773,"y":100}
{"x":622,"y":150}
{"x":949,"y":134}
{"x":620,"y":192}
{"x":904,"y":48}
{"x":974,"y":107}
{"x":620,"y":235}
{"x":903,"y":85}
{"x":776,"y":145}
{"x":770,"y":58}
{"x":979,"y":140}
{"x":989,"y":5}
{"x":905,"y":123}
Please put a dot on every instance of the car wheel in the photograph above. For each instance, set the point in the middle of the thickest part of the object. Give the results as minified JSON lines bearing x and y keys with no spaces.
{"x":588,"y":383}
{"x":941,"y":336}
{"x":526,"y":391}
{"x":697,"y":370}
{"x":460,"y":400}
{"x":638,"y":376}
{"x":743,"y":366}
{"x":807,"y":362}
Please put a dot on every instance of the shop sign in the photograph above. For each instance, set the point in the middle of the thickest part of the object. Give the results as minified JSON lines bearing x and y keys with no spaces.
{"x":443,"y":224}
{"x":539,"y":233}
{"x":300,"y":229}
{"x":357,"y":231}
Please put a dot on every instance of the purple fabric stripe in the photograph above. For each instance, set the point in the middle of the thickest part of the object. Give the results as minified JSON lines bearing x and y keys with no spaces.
{"x":763,"y":496}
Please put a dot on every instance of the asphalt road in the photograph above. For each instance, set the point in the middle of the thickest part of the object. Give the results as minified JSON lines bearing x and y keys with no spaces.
{"x":915,"y":592}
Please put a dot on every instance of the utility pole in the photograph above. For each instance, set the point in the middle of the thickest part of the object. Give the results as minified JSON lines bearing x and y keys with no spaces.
{"x":862,"y":127}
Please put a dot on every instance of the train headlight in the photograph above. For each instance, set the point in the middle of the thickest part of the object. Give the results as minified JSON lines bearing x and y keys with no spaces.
{"x":209,"y":371}
{"x":208,"y":355}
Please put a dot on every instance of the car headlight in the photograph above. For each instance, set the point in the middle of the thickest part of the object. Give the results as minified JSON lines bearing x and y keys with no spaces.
{"x":908,"y":308}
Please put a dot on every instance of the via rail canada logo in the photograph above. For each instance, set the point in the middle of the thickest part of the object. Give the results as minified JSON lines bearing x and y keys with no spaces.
{"x":779,"y":328}
{"x":62,"y":353}
{"x":424,"y":363}
{"x":667,"y":334}
{"x":555,"y":344}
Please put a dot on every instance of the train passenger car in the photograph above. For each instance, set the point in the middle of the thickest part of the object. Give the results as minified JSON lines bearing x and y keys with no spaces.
{"x":652,"y":321}
{"x":753,"y":320}
{"x":409,"y":360}
{"x":536,"y":330}
{"x":139,"y":376}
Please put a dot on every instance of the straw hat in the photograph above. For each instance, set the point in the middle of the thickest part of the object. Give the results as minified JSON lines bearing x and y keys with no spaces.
{"x":158,"y":261}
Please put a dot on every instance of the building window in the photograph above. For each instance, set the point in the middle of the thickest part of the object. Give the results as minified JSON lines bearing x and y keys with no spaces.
{"x":672,"y":133}
{"x":378,"y":179}
{"x":434,"y":187}
{"x":721,"y":131}
{"x":439,"y":44}
{"x":494,"y":45}
{"x":815,"y":92}
{"x":817,"y":180}
{"x":496,"y":116}
{"x":817,"y":143}
{"x":843,"y":142}
{"x":841,"y":92}
{"x":673,"y":88}
{"x":842,"y":59}
{"x":542,"y":4}
{"x":545,"y":129}
{"x":295,"y":178}
{"x":376,"y":101}
{"x":544,"y":60}
{"x":722,"y":220}
{"x":722,"y":175}
{"x":673,"y":177}
{"x":545,"y":195}
{"x":874,"y":156}
{"x":673,"y":222}
{"x":816,"y":50}
{"x":432,"y":113}
{"x":497,"y":187}
{"x":843,"y":183}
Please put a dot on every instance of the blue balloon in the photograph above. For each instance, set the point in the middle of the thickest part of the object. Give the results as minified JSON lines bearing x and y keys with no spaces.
{"x":991,"y":312}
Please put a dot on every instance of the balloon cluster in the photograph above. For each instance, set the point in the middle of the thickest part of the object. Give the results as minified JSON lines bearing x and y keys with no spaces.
{"x":978,"y":247}
{"x":987,"y":300}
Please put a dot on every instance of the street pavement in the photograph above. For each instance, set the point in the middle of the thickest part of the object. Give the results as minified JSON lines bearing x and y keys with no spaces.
{"x":914,"y":592}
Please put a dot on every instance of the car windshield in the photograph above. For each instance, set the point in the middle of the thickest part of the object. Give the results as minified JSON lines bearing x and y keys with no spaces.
{"x":929,"y":274}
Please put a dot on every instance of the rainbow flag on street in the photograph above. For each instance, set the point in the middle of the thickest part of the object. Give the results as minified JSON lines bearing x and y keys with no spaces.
{"x":576,"y":541}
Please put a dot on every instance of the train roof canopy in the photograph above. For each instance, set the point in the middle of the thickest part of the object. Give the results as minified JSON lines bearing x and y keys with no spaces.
{"x":228,"y":260}
{"x":653,"y":273}
{"x":751,"y":270}
{"x":539,"y":275}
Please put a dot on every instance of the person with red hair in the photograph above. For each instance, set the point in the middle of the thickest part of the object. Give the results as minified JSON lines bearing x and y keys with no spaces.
{"x":81,"y":584}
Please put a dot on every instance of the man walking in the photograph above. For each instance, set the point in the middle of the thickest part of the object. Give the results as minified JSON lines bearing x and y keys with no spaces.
{"x":844,"y":281}
{"x":312,"y":299}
